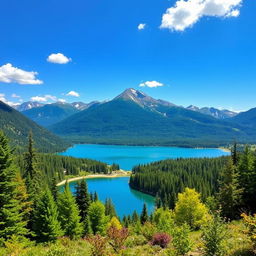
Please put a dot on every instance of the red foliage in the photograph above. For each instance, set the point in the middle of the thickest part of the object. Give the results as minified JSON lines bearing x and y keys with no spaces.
{"x":98,"y":243}
{"x":161,"y":239}
{"x":117,"y":237}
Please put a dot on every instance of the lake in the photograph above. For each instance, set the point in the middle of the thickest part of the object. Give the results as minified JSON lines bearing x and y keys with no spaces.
{"x":125,"y":199}
{"x":129,"y":156}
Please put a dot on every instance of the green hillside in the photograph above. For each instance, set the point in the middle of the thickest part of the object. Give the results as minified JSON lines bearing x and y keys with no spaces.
{"x":126,"y":121}
{"x":17,"y":127}
{"x":247,"y":118}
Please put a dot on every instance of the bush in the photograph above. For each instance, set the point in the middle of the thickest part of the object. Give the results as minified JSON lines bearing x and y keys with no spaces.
{"x":117,"y":237}
{"x":164,"y":220}
{"x":181,"y":240}
{"x":161,"y":239}
{"x":148,"y":230}
{"x":99,"y":244}
{"x":213,"y":237}
{"x":250,"y":222}
{"x":136,"y":240}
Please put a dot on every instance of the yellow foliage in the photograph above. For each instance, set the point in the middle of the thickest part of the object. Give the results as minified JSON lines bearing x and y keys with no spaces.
{"x":189,"y":209}
{"x":114,"y":222}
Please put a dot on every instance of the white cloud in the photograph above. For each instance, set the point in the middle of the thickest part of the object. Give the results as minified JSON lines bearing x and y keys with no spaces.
{"x":3,"y":99}
{"x":44,"y":98}
{"x":58,"y":58}
{"x":141,"y":26}
{"x":10,"y":74}
{"x":151,"y":84}
{"x":73,"y":94}
{"x":185,"y":14}
{"x":14,"y":95}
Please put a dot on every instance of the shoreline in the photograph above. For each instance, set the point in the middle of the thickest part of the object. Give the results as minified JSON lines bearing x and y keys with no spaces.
{"x":118,"y":174}
{"x":146,"y":145}
{"x":225,"y":149}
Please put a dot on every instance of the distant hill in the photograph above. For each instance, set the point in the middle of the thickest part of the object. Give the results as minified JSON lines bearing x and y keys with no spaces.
{"x":247,"y":118}
{"x":50,"y":113}
{"x":217,"y":113}
{"x":17,"y":127}
{"x":136,"y":118}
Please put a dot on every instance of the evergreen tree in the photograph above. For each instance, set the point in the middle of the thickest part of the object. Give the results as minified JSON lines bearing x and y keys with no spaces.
{"x":110,"y":208}
{"x":54,"y":188}
{"x":69,"y":214}
{"x":234,"y":154}
{"x":97,"y":218}
{"x":213,"y":237}
{"x":135,"y":217}
{"x":32,"y":174}
{"x":12,"y":221}
{"x":246,"y":178}
{"x":95,"y":197}
{"x":45,"y":223}
{"x":82,"y":199}
{"x":23,"y":197}
{"x":230,"y":193}
{"x":144,"y":214}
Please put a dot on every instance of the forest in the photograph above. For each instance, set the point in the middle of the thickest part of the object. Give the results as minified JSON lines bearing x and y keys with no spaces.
{"x":37,"y":219}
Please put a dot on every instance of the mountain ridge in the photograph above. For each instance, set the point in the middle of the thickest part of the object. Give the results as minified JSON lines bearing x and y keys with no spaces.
{"x":136,"y":118}
{"x":17,"y":127}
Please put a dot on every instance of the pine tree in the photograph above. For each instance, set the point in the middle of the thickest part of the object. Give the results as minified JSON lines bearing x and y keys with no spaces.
{"x":95,"y":197}
{"x":69,"y":214}
{"x":23,"y":197}
{"x":230,"y":193}
{"x":234,"y":154}
{"x":144,"y":214}
{"x":214,"y":234}
{"x":110,"y":208}
{"x":46,"y":224}
{"x":54,"y":188}
{"x":32,"y":174}
{"x":246,"y":178}
{"x":82,"y":199}
{"x":135,"y":217}
{"x":12,"y":220}
{"x":97,"y":218}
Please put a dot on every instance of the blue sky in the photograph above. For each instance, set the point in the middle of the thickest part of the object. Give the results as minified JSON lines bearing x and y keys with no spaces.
{"x":209,"y":61}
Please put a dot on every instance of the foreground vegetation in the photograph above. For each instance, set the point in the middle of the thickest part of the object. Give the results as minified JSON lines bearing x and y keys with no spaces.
{"x":36,"y":219}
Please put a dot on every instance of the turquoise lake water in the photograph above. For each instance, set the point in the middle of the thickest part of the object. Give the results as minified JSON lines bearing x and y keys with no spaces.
{"x":129,"y":156}
{"x":125,"y":199}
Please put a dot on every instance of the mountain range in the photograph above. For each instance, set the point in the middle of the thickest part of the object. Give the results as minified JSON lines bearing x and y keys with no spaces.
{"x":130,"y":118}
{"x":136,"y":118}
{"x":217,"y":113}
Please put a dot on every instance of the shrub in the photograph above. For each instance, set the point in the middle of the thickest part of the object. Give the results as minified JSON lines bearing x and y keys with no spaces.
{"x":135,"y":240}
{"x":213,"y":237}
{"x":250,"y":222}
{"x":148,"y":230}
{"x":164,"y":220}
{"x":161,"y":239}
{"x":99,"y":244}
{"x":181,"y":240}
{"x":117,"y":237}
